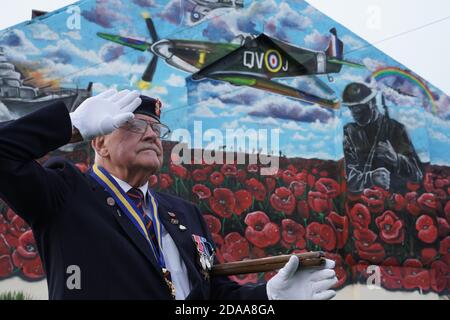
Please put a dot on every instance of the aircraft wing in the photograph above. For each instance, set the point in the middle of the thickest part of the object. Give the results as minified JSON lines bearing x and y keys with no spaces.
{"x":239,"y":79}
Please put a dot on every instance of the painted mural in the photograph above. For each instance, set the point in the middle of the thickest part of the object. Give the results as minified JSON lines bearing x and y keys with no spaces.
{"x":366,"y":190}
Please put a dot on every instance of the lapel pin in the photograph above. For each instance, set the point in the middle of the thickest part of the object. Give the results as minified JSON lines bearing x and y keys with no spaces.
{"x":173,"y":215}
{"x":110,"y":201}
{"x":182,"y":228}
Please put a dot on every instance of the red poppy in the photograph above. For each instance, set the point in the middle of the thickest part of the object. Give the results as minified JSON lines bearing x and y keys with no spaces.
{"x":443,"y":226}
{"x":179,"y":171}
{"x":166,"y":181}
{"x":229,"y":170}
{"x":328,"y":186}
{"x":391,"y":228}
{"x":319,"y":202}
{"x":305,"y":177}
{"x":298,"y":188}
{"x":256,"y":188}
{"x":257,"y":253}
{"x":360,"y":216}
{"x":366,"y":246}
{"x":364,"y":238}
{"x":447,"y":211}
{"x":241,"y":176}
{"x":427,"y":255}
{"x":428,"y":181}
{"x":243,"y":201}
{"x":218,"y":241}
{"x":26,"y":257}
{"x":222,"y":202}
{"x":18,"y":226}
{"x":253,"y":168}
{"x":322,"y":235}
{"x":303,"y":209}
{"x":245,"y":278}
{"x":428,"y":202}
{"x":340,"y":226}
{"x":323,"y":173}
{"x":199,"y":175}
{"x":5,"y":248}
{"x":373,"y":253}
{"x":260,"y":231}
{"x":374,"y":200}
{"x":414,"y":276}
{"x":283,"y":200}
{"x":235,"y":247}
{"x":153,"y":181}
{"x":441,"y":183}
{"x":6,"y":266}
{"x":216,"y":178}
{"x":398,"y":202}
{"x":439,"y":276}
{"x":292,"y":168}
{"x":201,"y":191}
{"x":391,"y":276}
{"x":441,"y":195}
{"x":287,"y":176}
{"x":444,"y":246}
{"x":10,"y":214}
{"x":427,"y":231}
{"x":212,"y":223}
{"x":412,"y":186}
{"x":411,"y":204}
{"x":270,"y":183}
{"x":292,"y":233}
{"x":3,"y":224}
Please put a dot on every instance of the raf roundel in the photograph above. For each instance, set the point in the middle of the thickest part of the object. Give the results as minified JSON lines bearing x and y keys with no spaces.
{"x":273,"y":60}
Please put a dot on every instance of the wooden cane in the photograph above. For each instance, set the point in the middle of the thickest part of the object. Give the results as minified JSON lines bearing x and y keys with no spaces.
{"x":306,"y":260}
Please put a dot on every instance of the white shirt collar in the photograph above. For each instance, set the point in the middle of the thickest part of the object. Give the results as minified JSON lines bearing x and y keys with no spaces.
{"x":126,"y":187}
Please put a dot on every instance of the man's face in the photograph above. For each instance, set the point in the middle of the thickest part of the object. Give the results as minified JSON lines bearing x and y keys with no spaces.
{"x":135,"y":151}
{"x":362,"y":113}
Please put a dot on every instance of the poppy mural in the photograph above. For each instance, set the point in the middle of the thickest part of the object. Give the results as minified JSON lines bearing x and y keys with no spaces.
{"x":370,"y":187}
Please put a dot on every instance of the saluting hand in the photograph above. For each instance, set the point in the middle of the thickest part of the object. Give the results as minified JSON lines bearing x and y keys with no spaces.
{"x":101,"y":114}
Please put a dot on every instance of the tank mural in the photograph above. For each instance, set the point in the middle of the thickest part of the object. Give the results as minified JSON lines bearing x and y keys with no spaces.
{"x":361,"y":144}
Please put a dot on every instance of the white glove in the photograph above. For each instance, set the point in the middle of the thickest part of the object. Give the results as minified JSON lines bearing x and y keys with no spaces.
{"x":304,"y":284}
{"x":101,"y":114}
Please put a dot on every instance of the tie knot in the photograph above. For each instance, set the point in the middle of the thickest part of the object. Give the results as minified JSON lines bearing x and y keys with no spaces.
{"x":136,"y":195}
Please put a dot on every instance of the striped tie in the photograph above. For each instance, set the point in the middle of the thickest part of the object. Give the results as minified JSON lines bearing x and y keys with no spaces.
{"x":138,"y":198}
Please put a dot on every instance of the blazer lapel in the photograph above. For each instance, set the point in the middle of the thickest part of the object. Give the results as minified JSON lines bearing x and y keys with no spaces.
{"x":183,"y":239}
{"x":130,"y":229}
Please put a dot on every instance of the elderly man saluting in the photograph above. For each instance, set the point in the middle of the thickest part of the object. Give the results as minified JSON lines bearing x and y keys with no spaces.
{"x":106,"y":227}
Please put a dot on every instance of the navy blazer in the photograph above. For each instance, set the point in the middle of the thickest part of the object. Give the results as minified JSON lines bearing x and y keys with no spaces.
{"x":74,"y":224}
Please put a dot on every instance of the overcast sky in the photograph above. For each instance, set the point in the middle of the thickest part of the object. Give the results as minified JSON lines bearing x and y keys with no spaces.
{"x":425,"y":51}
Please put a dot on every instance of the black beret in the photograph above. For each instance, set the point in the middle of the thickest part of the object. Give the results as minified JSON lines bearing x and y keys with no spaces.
{"x":149,"y":107}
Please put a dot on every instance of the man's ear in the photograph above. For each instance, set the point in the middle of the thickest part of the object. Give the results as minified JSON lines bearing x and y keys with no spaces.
{"x":99,"y":145}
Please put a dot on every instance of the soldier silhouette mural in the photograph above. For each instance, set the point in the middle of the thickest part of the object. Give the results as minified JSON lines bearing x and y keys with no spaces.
{"x":377,"y":149}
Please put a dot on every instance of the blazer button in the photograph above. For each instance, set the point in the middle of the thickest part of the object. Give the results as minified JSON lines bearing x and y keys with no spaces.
{"x":110,"y":201}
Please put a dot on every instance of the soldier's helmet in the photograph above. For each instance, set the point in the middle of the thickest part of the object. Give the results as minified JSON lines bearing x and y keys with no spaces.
{"x":357,"y":93}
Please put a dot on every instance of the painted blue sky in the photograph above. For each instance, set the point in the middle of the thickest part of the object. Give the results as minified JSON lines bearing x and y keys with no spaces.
{"x":76,"y":57}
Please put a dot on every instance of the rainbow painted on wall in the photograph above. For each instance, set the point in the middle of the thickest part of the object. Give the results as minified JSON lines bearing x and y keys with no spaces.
{"x":394,"y":71}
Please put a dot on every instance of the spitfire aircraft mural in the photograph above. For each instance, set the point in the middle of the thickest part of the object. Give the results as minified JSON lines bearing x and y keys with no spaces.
{"x":254,"y":63}
{"x":347,"y":183}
